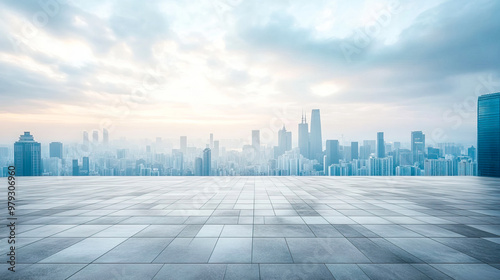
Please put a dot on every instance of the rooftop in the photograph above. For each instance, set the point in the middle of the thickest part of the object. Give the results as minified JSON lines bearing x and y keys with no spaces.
{"x":255,"y":228}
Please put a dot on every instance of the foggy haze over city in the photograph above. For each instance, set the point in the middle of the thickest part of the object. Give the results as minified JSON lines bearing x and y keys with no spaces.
{"x":232,"y":68}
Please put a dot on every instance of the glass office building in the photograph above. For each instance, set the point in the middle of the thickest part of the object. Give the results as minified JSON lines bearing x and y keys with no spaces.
{"x":27,"y":156}
{"x":488,"y":135}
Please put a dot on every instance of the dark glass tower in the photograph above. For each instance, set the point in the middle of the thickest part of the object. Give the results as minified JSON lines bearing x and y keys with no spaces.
{"x":488,"y":135}
{"x":27,"y":156}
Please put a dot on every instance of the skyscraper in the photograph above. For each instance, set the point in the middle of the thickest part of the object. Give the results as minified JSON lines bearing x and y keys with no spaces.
{"x":27,"y":156}
{"x":76,"y":168}
{"x":211,"y":141}
{"x":380,"y":145}
{"x":304,"y":137}
{"x":85,"y":138}
{"x":216,"y":149}
{"x":256,"y":140}
{"x":105,"y":136}
{"x":332,"y":153}
{"x":56,"y":150}
{"x":207,"y":162}
{"x":354,"y":150}
{"x":183,"y":144}
{"x":418,"y":147}
{"x":315,"y":140}
{"x":198,"y":166}
{"x":284,"y":140}
{"x":471,"y":152}
{"x":95,"y":136}
{"x":488,"y":135}
{"x":86,"y":166}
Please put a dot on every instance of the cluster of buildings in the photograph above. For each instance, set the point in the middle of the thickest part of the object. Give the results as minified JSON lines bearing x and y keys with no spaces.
{"x":312,"y":156}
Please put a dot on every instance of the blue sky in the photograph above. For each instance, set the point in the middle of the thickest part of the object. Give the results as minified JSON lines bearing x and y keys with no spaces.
{"x":170,"y":68}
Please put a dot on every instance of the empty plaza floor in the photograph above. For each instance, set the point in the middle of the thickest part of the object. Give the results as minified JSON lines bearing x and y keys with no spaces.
{"x":254,"y":228}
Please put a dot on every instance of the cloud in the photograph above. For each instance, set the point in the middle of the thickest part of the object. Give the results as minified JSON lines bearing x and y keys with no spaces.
{"x":249,"y":58}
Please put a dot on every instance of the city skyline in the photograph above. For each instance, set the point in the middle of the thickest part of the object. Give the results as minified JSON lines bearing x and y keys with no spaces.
{"x":246,"y":66}
{"x":310,"y":157}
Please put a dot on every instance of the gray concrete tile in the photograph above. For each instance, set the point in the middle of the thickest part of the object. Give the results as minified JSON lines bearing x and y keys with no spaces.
{"x":117,"y":271}
{"x":469,"y":271}
{"x":324,"y":250}
{"x":242,"y":271}
{"x":392,"y":272}
{"x":187,"y":250}
{"x":271,"y":250}
{"x":232,"y":250}
{"x":431,"y":251}
{"x":85,"y":251}
{"x":191,"y":272}
{"x":294,"y":272}
{"x":135,"y":250}
{"x":347,"y":272}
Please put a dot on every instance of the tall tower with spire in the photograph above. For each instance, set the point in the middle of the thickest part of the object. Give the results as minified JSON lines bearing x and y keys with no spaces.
{"x":304,"y":137}
{"x":315,"y":140}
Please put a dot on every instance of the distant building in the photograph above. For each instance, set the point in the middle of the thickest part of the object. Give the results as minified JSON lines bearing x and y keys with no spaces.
{"x":216,"y":150}
{"x":354,"y":150}
{"x":86,"y":138}
{"x":432,"y":153}
{"x":85,"y":166}
{"x":56,"y":150}
{"x":397,"y":145}
{"x":471,"y":152}
{"x":372,"y":144}
{"x":183,"y":142}
{"x":304,"y":137}
{"x":105,"y":136}
{"x":198,"y":166}
{"x":256,"y":141}
{"x":284,"y":141}
{"x":332,"y":154}
{"x":315,"y":138}
{"x":488,"y":135}
{"x":207,"y":162}
{"x":76,"y":168}
{"x":381,"y":166}
{"x":27,"y":156}
{"x":380,"y":145}
{"x":418,"y":147}
{"x":95,"y":137}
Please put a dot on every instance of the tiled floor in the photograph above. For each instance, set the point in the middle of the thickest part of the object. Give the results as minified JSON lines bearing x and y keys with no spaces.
{"x":255,"y":228}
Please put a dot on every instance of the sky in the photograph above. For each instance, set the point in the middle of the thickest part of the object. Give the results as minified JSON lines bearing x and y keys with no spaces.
{"x":146,"y":69}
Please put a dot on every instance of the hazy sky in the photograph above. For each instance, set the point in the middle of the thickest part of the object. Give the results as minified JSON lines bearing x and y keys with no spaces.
{"x":168,"y":68}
